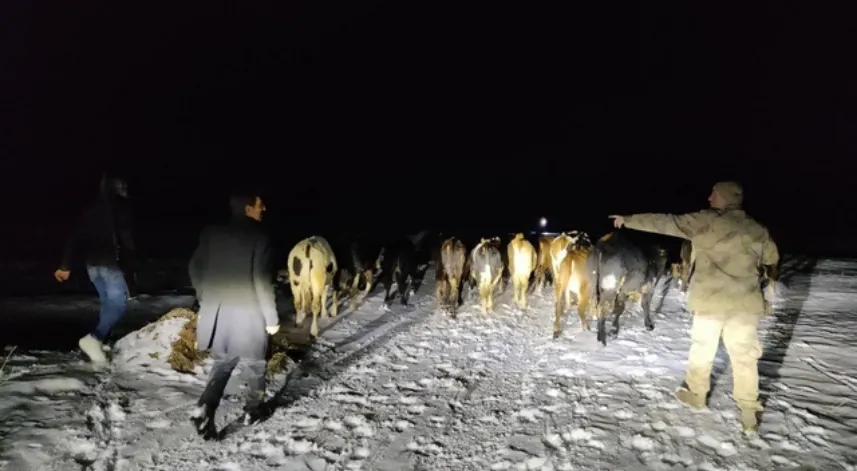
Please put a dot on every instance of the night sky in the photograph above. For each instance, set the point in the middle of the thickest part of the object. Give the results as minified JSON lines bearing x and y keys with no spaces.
{"x":403,"y":115}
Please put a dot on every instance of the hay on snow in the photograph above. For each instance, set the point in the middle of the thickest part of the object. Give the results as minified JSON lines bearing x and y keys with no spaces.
{"x":184,"y":356}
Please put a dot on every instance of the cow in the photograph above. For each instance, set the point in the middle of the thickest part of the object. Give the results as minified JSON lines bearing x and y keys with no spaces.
{"x":543,"y":262}
{"x":397,"y":262}
{"x":682,"y":271}
{"x":620,"y":269}
{"x":486,"y":270}
{"x":568,"y":256}
{"x":522,"y":261}
{"x":450,"y":274}
{"x":312,"y":267}
{"x":358,"y":267}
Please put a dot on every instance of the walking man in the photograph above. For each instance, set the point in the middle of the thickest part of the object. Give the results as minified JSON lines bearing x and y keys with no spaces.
{"x":724,"y":295}
{"x":232,"y":274}
{"x":104,"y":236}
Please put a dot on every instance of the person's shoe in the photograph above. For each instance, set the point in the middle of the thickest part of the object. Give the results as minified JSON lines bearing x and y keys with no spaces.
{"x":252,"y":417}
{"x":203,"y":420}
{"x":749,"y":421}
{"x":685,"y":396}
{"x":254,"y":409}
{"x":93,"y":348}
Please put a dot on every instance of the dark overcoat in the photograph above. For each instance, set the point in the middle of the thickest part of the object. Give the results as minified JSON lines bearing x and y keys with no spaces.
{"x":232,"y":274}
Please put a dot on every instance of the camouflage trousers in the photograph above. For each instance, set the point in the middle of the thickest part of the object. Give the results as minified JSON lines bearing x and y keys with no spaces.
{"x":741,"y":339}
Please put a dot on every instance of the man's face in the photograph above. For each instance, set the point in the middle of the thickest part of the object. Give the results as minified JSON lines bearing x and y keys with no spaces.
{"x":255,"y":211}
{"x":715,"y":200}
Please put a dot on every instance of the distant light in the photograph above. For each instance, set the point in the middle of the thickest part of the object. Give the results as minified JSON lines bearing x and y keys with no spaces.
{"x":543,"y":222}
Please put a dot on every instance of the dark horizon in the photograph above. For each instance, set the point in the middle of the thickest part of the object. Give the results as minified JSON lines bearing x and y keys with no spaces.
{"x":372,"y":114}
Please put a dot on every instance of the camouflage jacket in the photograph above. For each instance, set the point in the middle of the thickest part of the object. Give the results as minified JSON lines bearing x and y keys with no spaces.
{"x":730,"y":249}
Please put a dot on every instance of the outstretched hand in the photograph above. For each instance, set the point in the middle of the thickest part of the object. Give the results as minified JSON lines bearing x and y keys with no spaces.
{"x":618,"y":221}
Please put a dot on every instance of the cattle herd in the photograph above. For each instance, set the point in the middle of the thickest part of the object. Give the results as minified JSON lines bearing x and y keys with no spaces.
{"x":599,"y":277}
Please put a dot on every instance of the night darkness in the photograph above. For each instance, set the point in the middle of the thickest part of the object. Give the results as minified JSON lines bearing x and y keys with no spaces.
{"x":370,"y":114}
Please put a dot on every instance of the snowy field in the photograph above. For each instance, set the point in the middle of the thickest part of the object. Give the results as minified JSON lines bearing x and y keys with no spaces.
{"x":410,"y":388}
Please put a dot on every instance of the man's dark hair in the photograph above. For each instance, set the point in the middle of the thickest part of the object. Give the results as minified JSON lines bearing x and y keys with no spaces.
{"x":238,"y":201}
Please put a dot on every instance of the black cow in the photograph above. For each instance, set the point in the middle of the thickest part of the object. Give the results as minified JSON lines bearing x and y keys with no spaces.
{"x":397,"y":261}
{"x":357,"y":265}
{"x":619,"y":267}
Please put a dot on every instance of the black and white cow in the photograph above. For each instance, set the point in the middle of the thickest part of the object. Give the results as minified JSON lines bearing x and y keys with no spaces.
{"x":486,"y":270}
{"x":619,"y":269}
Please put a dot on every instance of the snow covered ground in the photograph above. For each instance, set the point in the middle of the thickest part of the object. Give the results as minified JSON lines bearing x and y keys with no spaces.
{"x":410,"y":388}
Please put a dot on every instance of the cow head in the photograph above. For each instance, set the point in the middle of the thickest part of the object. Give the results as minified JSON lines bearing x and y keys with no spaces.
{"x":579,"y":240}
{"x":560,"y":247}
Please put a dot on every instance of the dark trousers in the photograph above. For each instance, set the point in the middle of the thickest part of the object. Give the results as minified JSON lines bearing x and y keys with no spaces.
{"x":219,"y":376}
{"x":113,"y":294}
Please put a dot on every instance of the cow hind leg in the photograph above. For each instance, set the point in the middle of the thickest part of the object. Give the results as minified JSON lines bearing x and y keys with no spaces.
{"x":558,"y":288}
{"x":618,"y":310}
{"x":602,"y":330}
{"x":646,"y":303}
{"x":388,"y":286}
{"x":453,"y":296}
{"x":483,"y":296}
{"x":335,"y":305}
{"x":492,"y":290}
{"x":402,"y":286}
{"x":582,"y":307}
{"x":300,"y":303}
{"x":369,"y":277}
{"x":440,"y":294}
{"x":355,"y":289}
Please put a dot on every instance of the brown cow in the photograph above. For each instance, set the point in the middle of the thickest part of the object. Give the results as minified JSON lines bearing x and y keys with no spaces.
{"x":522,"y":261}
{"x":450,"y":274}
{"x":543,"y":262}
{"x":569,"y":253}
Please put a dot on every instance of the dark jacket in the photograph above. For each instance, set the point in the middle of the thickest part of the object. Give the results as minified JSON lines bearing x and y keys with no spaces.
{"x":103,"y":235}
{"x":232,"y":273}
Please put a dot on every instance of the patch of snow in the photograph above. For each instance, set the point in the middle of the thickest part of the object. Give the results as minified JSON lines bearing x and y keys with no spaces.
{"x":408,"y":387}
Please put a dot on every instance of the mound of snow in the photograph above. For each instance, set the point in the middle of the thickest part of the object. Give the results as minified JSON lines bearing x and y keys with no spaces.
{"x":150,"y":347}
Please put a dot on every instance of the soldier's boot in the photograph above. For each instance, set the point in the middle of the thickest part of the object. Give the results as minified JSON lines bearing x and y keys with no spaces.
{"x":689,"y":398}
{"x":749,"y":420}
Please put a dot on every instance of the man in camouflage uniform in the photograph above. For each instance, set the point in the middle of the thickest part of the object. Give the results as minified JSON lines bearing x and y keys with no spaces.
{"x":725,"y":298}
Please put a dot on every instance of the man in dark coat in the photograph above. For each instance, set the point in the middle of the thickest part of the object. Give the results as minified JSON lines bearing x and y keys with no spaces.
{"x":103,"y":235}
{"x":232,"y":273}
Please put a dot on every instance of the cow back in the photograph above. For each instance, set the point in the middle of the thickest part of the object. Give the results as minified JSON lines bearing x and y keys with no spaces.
{"x":486,"y":258}
{"x":321,"y":255}
{"x":452,"y":256}
{"x":615,"y":255}
{"x":521,"y":256}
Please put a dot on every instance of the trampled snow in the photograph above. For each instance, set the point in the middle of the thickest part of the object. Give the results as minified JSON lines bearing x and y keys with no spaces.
{"x":410,"y":388}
